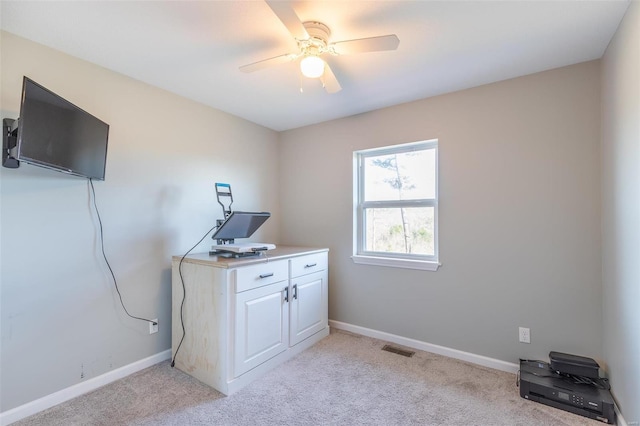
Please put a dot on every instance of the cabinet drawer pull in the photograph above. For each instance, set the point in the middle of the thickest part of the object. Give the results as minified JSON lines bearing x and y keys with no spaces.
{"x":286,"y":294}
{"x":310,"y":265}
{"x":270,"y":274}
{"x":295,"y":291}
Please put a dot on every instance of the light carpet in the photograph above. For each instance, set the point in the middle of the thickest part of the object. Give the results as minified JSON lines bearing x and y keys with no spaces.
{"x":345,"y":379}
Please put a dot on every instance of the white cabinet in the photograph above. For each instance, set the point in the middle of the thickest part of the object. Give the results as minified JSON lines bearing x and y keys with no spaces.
{"x":308,"y":309}
{"x":262,"y":326}
{"x":243,"y":317}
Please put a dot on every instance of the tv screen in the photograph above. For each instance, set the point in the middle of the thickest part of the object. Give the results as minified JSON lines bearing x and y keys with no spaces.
{"x":240,"y":225}
{"x":56,"y":134}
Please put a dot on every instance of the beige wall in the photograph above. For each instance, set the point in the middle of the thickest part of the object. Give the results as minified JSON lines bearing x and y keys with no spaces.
{"x":621,"y":212}
{"x":519,"y":216}
{"x":60,"y":315}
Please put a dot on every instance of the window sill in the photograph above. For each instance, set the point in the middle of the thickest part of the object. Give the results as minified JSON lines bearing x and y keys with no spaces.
{"x":424,"y":265}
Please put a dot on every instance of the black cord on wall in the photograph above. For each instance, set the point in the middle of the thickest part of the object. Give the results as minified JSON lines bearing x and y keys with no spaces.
{"x":184,"y":294}
{"x":115,"y":282}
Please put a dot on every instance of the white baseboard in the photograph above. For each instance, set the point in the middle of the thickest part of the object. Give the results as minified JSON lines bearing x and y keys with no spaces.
{"x":429,"y":347}
{"x":619,"y":419}
{"x":74,"y":391}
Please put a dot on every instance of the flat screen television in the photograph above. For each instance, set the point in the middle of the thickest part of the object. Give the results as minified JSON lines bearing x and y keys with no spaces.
{"x":240,"y":225}
{"x":56,"y":134}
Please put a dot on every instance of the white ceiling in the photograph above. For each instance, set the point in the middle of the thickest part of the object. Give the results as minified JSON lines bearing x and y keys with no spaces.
{"x":194,"y":48}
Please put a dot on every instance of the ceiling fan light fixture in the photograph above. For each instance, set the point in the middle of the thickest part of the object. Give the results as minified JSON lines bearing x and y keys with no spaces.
{"x":312,"y":66}
{"x":312,"y":38}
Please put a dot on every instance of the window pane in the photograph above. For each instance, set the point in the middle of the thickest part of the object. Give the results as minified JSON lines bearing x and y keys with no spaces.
{"x":400,"y":230}
{"x":403,"y":176}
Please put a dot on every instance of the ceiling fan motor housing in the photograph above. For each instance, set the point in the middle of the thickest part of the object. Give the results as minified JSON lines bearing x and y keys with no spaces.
{"x":318,"y":39}
{"x":317,"y":30}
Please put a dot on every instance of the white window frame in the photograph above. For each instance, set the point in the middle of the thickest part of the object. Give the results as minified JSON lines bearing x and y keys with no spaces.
{"x":396,"y":260}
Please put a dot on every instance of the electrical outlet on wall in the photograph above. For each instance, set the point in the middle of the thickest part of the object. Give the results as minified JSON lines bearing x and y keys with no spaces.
{"x":524,"y":335}
{"x":153,"y":328}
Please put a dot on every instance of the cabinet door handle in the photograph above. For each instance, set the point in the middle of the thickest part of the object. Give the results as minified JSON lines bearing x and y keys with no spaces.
{"x":286,"y":294}
{"x":310,"y":265}
{"x":270,"y":274}
{"x":295,"y":291}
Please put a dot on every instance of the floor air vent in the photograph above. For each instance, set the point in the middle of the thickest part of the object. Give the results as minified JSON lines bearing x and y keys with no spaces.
{"x":398,"y":351}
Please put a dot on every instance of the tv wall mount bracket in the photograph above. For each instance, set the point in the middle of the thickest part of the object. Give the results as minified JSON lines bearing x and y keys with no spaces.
{"x":10,"y":143}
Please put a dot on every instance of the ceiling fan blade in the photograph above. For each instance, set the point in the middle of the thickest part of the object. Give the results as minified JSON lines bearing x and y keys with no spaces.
{"x":288,"y":16}
{"x":370,"y":44}
{"x":276,"y":60}
{"x":329,"y":80}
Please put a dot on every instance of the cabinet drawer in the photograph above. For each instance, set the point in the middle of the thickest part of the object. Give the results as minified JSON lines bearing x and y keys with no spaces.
{"x":255,"y":276}
{"x":308,"y":264}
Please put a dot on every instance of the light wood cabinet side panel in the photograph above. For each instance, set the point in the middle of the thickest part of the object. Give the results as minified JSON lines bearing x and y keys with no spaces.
{"x":204,"y":351}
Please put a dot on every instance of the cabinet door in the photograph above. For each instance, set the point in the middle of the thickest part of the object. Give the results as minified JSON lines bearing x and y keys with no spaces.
{"x":262,"y":324}
{"x":308,"y":305}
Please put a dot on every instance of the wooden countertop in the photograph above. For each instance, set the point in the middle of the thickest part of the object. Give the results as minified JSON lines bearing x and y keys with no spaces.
{"x":280,"y":252}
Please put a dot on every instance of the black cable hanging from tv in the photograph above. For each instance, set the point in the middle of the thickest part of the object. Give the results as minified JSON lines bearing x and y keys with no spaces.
{"x":104,"y":255}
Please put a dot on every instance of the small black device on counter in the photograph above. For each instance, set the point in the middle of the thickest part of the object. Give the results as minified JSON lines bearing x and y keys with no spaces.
{"x":237,"y":225}
{"x":240,"y":225}
{"x":585,"y":396}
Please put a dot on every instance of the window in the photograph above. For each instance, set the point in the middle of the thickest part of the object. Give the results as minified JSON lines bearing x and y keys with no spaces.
{"x":396,"y":206}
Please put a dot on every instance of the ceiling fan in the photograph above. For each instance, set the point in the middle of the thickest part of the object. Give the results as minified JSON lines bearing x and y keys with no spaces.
{"x":313,"y":44}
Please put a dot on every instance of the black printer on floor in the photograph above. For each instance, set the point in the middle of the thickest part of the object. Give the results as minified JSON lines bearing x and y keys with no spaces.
{"x":570,"y":383}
